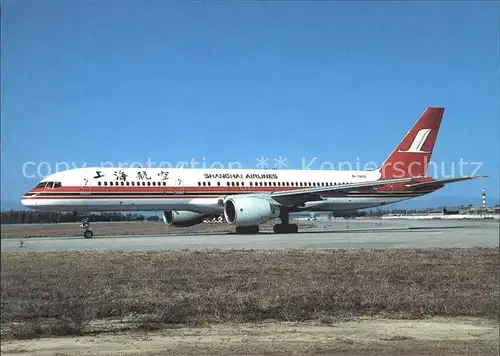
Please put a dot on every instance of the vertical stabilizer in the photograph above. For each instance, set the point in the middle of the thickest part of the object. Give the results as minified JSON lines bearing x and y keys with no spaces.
{"x":411,"y":157}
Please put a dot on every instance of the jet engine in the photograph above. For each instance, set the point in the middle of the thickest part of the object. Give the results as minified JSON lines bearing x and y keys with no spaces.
{"x":182,"y":218}
{"x":249,"y":211}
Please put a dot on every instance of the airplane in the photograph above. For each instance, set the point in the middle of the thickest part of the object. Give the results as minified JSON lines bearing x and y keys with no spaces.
{"x":246,"y":198}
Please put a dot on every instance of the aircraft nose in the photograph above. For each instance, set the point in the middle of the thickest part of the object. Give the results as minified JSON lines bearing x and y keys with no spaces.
{"x":28,"y":201}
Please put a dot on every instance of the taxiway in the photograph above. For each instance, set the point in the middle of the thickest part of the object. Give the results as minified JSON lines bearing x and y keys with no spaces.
{"x":324,"y":234}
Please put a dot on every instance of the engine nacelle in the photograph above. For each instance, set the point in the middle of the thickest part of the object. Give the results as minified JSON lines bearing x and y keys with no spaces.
{"x":182,"y":218}
{"x":248,"y":211}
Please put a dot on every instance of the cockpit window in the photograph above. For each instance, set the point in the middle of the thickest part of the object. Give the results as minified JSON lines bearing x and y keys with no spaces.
{"x":49,"y":185}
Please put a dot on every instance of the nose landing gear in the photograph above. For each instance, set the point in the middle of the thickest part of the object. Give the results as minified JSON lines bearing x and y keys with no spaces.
{"x":87,"y":229}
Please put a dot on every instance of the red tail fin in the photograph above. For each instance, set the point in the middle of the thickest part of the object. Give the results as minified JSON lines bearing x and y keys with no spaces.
{"x":411,"y":157}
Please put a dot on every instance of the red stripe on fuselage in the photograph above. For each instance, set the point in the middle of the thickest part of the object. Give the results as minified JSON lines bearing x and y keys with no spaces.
{"x":169,"y":192}
{"x":400,"y":188}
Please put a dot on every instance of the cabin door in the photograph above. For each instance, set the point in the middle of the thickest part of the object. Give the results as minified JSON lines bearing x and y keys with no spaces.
{"x":86,"y":186}
{"x":179,"y":181}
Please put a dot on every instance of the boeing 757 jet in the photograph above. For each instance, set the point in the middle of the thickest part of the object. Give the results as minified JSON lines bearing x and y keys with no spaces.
{"x":246,"y":198}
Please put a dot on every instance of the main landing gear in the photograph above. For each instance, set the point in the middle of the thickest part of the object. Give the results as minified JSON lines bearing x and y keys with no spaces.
{"x":87,"y":229}
{"x":247,"y":229}
{"x":285,"y":227}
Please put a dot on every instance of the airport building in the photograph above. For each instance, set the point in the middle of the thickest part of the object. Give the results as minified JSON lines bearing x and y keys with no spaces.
{"x":482,"y":211}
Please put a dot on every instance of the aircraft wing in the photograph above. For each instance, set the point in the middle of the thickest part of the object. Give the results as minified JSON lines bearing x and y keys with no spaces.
{"x":439,"y":182}
{"x":300,"y":196}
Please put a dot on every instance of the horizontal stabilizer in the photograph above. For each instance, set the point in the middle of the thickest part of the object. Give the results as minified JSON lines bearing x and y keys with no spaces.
{"x":440,"y":182}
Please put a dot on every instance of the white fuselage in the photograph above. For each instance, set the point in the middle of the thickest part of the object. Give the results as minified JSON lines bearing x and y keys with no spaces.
{"x":199,"y":190}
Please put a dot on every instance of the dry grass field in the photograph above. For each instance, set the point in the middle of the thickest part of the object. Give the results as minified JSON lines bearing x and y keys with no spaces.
{"x":83,"y":294}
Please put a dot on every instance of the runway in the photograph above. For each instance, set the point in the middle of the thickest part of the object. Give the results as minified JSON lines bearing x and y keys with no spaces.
{"x":324,"y":234}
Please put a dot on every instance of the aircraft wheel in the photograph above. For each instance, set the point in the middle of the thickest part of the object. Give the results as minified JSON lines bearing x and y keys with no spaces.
{"x":247,"y":229}
{"x":285,"y":228}
{"x":88,"y":234}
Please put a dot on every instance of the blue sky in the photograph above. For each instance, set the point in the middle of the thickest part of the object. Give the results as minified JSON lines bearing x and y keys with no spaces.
{"x":103,"y":81}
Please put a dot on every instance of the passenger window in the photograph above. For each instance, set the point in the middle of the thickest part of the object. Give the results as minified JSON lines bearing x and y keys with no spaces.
{"x":164,"y":183}
{"x":110,"y":183}
{"x":154,"y":183}
{"x":105,"y":183}
{"x":98,"y":183}
{"x":199,"y":184}
{"x":128,"y":183}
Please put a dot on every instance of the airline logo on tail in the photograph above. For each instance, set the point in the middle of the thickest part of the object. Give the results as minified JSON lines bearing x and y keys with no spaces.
{"x":411,"y":157}
{"x":418,"y":142}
